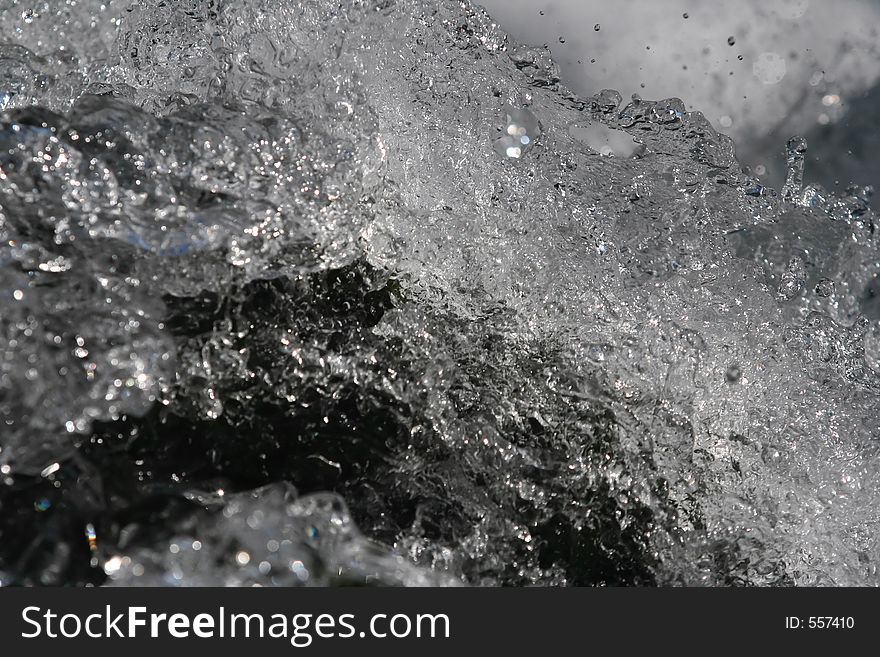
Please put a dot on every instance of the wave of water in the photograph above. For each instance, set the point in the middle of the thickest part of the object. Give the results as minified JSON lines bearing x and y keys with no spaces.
{"x":251,"y":252}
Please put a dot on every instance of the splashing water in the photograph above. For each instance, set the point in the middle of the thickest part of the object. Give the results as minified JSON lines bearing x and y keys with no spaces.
{"x":249,"y":243}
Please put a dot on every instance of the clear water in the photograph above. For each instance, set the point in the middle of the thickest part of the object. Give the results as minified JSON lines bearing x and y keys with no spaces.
{"x":251,"y":252}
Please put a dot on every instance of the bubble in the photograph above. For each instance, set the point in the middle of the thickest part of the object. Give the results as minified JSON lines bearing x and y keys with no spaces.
{"x":733,"y":374}
{"x":825,"y":288}
{"x":769,"y":68}
{"x":522,"y":129}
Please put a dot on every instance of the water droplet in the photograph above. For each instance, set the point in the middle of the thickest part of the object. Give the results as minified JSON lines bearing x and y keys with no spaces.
{"x":521,"y":128}
{"x":213,"y":406}
{"x":685,"y":15}
{"x":787,"y":289}
{"x":733,"y":373}
{"x":792,"y":280}
{"x":825,"y":287}
{"x":756,"y":190}
{"x":795,"y":151}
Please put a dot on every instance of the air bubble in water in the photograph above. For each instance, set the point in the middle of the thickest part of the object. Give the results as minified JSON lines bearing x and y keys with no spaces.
{"x":522,"y":129}
{"x":825,"y":288}
{"x":733,"y":373}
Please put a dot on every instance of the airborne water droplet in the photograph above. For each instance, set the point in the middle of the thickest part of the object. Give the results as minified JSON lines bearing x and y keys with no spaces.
{"x":608,"y":100}
{"x":795,"y":150}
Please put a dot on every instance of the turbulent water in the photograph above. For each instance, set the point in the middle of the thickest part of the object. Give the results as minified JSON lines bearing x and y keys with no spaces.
{"x":318,"y":292}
